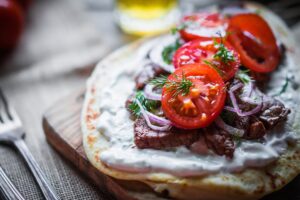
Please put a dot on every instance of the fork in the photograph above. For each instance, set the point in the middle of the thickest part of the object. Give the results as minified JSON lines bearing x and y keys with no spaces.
{"x":8,"y":190}
{"x":11,"y":132}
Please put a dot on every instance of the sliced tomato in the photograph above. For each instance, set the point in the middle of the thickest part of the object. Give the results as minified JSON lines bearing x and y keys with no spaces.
{"x":203,"y":51}
{"x":202,"y":104}
{"x":254,"y":40}
{"x":203,"y":25}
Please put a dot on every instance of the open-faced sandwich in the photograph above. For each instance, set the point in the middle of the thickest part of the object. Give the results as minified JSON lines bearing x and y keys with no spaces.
{"x":210,"y":111}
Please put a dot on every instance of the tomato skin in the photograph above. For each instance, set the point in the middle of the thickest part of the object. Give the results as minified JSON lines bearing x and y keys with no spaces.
{"x":202,"y":50}
{"x":254,"y":41}
{"x":208,"y":110}
{"x":210,"y":22}
{"x":25,"y":4}
{"x":11,"y":23}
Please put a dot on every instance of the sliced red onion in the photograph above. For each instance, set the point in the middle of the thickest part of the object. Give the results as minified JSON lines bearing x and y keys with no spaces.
{"x":156,"y":53}
{"x":251,"y":88}
{"x":231,"y":130}
{"x":236,"y":108}
{"x":158,"y":120}
{"x":250,"y":100}
{"x":248,"y":89}
{"x":146,"y":117}
{"x":149,"y":94}
{"x":231,"y":109}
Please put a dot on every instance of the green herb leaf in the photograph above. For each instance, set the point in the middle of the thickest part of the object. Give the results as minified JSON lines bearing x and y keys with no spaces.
{"x":284,"y":87}
{"x":223,"y":54}
{"x":214,"y":66}
{"x":237,"y":140}
{"x":178,"y":28}
{"x":243,"y":76}
{"x":147,"y":104}
{"x":168,"y":52}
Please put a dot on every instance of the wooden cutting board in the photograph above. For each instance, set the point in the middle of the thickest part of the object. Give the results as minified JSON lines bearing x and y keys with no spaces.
{"x":61,"y":125}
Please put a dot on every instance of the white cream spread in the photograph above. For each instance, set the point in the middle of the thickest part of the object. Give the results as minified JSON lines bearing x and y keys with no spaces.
{"x":117,"y":127}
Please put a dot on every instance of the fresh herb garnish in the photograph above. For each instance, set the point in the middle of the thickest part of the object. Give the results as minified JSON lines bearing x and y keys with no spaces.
{"x":181,"y":85}
{"x":284,"y":87}
{"x":159,"y":81}
{"x":168,"y":52}
{"x":237,"y":140}
{"x":214,"y":66}
{"x":178,"y":28}
{"x":223,"y":54}
{"x":148,"y":105}
{"x":243,"y":76}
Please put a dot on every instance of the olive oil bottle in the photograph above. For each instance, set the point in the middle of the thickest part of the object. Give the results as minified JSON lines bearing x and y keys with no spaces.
{"x":146,"y":17}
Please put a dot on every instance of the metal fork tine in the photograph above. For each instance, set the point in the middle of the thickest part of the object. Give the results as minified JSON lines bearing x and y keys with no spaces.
{"x":4,"y":114}
{"x":11,"y":114}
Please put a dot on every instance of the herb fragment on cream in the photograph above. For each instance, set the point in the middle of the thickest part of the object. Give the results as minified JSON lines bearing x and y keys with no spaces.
{"x":243,"y":76}
{"x":168,"y":51}
{"x":147,"y":104}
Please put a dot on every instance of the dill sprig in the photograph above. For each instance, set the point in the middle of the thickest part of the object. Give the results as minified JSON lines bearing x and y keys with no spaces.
{"x":147,"y":104}
{"x":159,"y":81}
{"x":223,"y":54}
{"x":181,"y":85}
{"x":168,"y":51}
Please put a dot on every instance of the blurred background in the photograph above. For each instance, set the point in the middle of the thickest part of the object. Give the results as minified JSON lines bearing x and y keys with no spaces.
{"x":51,"y":53}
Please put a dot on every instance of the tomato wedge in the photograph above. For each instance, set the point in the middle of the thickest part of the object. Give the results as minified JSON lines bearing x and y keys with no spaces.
{"x":206,"y":50}
{"x":199,"y":104}
{"x":254,"y":40}
{"x":203,"y":25}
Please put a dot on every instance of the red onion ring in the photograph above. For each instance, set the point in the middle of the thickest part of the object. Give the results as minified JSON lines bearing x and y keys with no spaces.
{"x":231,"y":130}
{"x":236,"y":108}
{"x":159,"y":120}
{"x":156,"y":53}
{"x":146,"y":117}
{"x":149,"y":94}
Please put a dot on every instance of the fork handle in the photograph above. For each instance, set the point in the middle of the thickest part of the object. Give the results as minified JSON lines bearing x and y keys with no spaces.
{"x":8,"y":190}
{"x":39,"y":176}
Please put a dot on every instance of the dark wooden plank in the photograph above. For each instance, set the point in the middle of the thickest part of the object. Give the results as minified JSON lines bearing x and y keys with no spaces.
{"x":62,"y":128}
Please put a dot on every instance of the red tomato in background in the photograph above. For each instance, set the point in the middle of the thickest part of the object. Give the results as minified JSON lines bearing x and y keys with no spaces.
{"x":203,"y":102}
{"x":25,"y":4}
{"x":203,"y":50}
{"x":11,"y":23}
{"x":254,"y":40}
{"x":203,"y":26}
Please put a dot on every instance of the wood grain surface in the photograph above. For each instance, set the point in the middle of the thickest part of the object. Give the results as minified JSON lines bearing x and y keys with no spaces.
{"x":61,"y":124}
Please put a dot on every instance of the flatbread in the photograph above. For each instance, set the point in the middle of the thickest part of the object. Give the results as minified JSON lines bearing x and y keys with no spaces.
{"x":248,"y":184}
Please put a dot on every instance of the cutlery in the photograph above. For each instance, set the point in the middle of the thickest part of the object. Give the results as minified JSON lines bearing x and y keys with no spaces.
{"x":7,"y":188}
{"x":11,"y":132}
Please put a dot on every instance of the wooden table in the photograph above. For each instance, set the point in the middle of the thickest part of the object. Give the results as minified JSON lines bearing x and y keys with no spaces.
{"x":62,"y":42}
